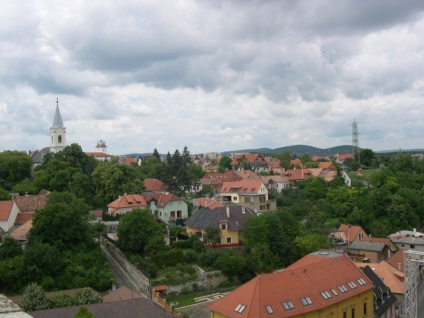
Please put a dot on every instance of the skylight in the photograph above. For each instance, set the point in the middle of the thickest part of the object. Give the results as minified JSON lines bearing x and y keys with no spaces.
{"x":306,"y":301}
{"x":269,"y":310}
{"x":288,"y":305}
{"x":240,"y":308}
{"x":326,"y":295}
{"x":361,"y":281}
{"x":342,"y":288}
{"x":334,"y":292}
{"x":352,"y":285}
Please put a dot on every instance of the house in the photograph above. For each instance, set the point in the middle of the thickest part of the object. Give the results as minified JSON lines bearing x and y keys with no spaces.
{"x":297,"y":164}
{"x":321,"y":284}
{"x":248,"y":175}
{"x":275,"y":183}
{"x":386,"y":241}
{"x":154,"y":185}
{"x":405,"y":233}
{"x":248,"y":161}
{"x":410,"y":243}
{"x":342,"y":157}
{"x":97,"y":215}
{"x":215,"y":180}
{"x":252,"y":194}
{"x":128,"y":161}
{"x":392,"y":278}
{"x":327,"y":175}
{"x":21,"y":233}
{"x":361,"y":251}
{"x":229,"y":219}
{"x":167,"y":207}
{"x":126,"y":203}
{"x":348,"y":233}
{"x":199,"y":203}
{"x":296,"y":175}
{"x":327,"y":165}
{"x":384,"y":299}
{"x":30,"y":203}
{"x":8,"y":213}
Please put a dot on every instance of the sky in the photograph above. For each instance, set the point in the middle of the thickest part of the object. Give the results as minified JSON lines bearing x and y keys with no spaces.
{"x":212,"y":75}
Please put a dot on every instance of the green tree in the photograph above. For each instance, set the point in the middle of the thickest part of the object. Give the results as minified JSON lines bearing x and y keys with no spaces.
{"x":212,"y":235}
{"x":15,"y":166}
{"x":62,"y":223}
{"x":34,"y":298}
{"x":264,"y":260}
{"x":367,"y":157}
{"x":225,"y":163}
{"x":311,"y":243}
{"x":4,"y":195}
{"x":136,"y":229}
{"x":156,"y":155}
{"x":10,"y":248}
{"x":112,"y":179}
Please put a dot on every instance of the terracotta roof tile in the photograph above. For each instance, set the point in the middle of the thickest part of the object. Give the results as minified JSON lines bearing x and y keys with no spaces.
{"x":22,"y":232}
{"x":391,"y":277}
{"x":122,"y":293}
{"x":244,"y":186}
{"x":23,"y":217}
{"x":309,"y":277}
{"x":153,"y":185}
{"x":30,"y":203}
{"x":128,"y":201}
{"x":5,"y":209}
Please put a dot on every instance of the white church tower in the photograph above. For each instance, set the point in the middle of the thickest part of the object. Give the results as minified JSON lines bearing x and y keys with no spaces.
{"x":57,"y":132}
{"x":101,"y":146}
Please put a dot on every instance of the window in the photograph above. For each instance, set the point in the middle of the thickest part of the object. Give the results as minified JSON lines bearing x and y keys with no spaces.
{"x":223,"y":226}
{"x":352,"y":285}
{"x":361,"y":281}
{"x":353,"y":312}
{"x":344,"y":314}
{"x":365,"y":308}
{"x":288,"y":305}
{"x":269,"y":310}
{"x":59,"y":139}
{"x":342,"y":288}
{"x":229,"y":240}
{"x":306,"y":301}
{"x":234,"y":198}
{"x":326,"y":295}
{"x":240,"y":308}
{"x":334,"y":292}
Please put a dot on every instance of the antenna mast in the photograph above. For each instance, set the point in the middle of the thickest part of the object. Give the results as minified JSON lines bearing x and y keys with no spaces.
{"x":355,"y":140}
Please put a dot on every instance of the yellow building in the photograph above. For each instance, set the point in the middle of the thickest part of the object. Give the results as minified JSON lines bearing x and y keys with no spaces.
{"x":229,"y":219}
{"x":322,"y":284}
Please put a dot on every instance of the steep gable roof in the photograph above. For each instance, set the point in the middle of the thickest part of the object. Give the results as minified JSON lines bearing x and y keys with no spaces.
{"x":297,"y":174}
{"x":391,"y":277}
{"x":242,"y":187}
{"x":397,"y":260}
{"x":314,"y":274}
{"x":128,"y":201}
{"x":208,"y":203}
{"x":5,"y":209}
{"x":154,"y":185}
{"x":350,"y":231}
{"x":30,"y":203}
{"x":22,"y":232}
{"x":248,"y":175}
{"x":162,"y":199}
{"x":23,"y":217}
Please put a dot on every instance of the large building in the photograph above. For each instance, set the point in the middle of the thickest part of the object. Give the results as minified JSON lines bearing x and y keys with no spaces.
{"x":321,"y":284}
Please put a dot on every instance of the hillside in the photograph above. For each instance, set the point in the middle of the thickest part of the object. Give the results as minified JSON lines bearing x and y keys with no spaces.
{"x":299,"y":150}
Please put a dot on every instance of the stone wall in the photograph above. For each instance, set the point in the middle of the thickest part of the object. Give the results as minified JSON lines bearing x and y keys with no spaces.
{"x":139,"y":280}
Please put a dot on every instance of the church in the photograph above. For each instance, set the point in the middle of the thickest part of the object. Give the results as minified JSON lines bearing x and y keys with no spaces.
{"x":57,"y":139}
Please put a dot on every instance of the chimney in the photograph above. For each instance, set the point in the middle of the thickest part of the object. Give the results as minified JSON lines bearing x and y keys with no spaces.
{"x":228,"y":211}
{"x":120,"y":198}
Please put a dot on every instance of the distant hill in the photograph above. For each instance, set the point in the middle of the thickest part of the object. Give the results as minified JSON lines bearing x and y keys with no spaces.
{"x":299,"y":150}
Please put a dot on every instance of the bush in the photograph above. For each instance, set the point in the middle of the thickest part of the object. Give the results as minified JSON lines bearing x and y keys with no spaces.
{"x":190,"y":256}
{"x":34,"y":298}
{"x":168,"y":257}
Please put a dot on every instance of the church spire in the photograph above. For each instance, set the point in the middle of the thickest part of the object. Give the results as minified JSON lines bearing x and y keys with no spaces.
{"x":57,"y":121}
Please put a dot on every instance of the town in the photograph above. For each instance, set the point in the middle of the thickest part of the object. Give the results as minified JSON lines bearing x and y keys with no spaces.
{"x":209,"y":235}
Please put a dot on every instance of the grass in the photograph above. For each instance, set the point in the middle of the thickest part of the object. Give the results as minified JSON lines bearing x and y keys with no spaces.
{"x":187,"y":300}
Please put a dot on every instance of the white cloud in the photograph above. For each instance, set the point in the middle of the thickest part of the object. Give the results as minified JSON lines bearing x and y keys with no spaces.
{"x":212,"y":76}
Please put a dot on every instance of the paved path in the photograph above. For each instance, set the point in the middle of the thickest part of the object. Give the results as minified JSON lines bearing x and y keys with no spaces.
{"x":121,"y":279}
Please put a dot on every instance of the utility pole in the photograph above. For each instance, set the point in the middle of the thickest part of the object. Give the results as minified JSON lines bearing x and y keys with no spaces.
{"x":355,"y":140}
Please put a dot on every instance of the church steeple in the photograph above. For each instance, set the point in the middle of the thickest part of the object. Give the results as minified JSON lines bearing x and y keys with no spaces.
{"x":57,"y":132}
{"x":57,"y":121}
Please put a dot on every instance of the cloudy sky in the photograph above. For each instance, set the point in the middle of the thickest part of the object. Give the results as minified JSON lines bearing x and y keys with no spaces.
{"x":212,"y":75}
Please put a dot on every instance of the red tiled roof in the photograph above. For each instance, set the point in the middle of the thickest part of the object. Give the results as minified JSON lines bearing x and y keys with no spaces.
{"x":397,"y":260}
{"x":344,"y":156}
{"x":208,"y":203}
{"x":297,"y":174}
{"x":224,"y":176}
{"x":250,"y":157}
{"x":128,"y":201}
{"x":23,"y":217}
{"x":353,"y":232}
{"x":30,"y":203}
{"x":308,"y":277}
{"x":97,"y":154}
{"x":127,"y":160}
{"x":391,"y":277}
{"x":122,"y":293}
{"x":154,"y":185}
{"x":5,"y":209}
{"x":22,"y":232}
{"x":162,"y":199}
{"x":248,"y":175}
{"x":326,"y":165}
{"x":244,"y":186}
